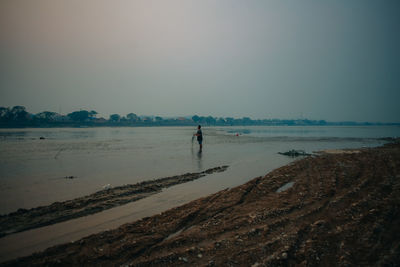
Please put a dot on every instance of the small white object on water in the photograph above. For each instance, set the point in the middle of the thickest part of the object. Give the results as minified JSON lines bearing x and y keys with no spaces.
{"x":107,"y":186}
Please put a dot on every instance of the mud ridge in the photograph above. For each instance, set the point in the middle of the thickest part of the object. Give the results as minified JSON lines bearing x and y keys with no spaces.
{"x":23,"y":219}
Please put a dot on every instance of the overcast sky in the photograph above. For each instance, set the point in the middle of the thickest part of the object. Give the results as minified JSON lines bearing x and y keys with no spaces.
{"x":334,"y":60}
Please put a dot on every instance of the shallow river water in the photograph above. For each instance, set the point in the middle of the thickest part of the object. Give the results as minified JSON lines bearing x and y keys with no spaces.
{"x":33,"y":170}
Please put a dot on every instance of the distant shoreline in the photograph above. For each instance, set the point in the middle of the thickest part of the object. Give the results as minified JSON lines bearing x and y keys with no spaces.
{"x":112,"y":125}
{"x":19,"y":117}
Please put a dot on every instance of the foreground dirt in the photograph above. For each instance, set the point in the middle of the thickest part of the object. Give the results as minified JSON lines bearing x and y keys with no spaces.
{"x":62,"y":211}
{"x":343,"y":209}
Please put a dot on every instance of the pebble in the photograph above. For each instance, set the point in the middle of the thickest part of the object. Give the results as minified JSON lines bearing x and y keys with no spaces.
{"x":252,"y":231}
{"x":199,"y":256}
{"x":284,"y":255}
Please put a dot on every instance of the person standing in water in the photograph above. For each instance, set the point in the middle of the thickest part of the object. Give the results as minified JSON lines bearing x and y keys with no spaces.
{"x":199,"y":135}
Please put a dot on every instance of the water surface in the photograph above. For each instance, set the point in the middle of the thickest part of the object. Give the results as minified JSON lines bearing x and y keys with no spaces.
{"x":33,"y":170}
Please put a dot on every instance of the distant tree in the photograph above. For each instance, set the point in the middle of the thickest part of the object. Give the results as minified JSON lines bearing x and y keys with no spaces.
{"x":158,"y":119}
{"x":237,"y":121}
{"x":92,"y":114}
{"x":115,"y":118}
{"x":196,"y":118}
{"x":19,"y":114}
{"x":4,"y":114}
{"x":148,"y":119}
{"x":221,"y":121}
{"x":247,"y":121}
{"x":132,"y":117}
{"x":47,"y":116}
{"x":202,"y":120}
{"x":3,"y":111}
{"x":210,"y":120}
{"x":229,"y":120}
{"x":81,"y":116}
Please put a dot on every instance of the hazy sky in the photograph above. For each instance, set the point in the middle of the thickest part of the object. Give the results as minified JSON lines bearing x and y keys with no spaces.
{"x":333,"y":60}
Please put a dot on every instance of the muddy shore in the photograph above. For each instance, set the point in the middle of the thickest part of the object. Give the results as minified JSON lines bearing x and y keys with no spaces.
{"x":24,"y":219}
{"x":336,"y":209}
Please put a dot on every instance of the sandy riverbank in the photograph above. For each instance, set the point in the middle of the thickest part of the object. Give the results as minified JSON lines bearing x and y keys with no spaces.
{"x":341,"y":209}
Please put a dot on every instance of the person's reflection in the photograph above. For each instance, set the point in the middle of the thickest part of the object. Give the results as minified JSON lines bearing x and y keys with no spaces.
{"x":197,"y":156}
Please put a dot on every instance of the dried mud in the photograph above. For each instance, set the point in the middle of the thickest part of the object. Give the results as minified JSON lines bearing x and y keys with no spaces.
{"x":342,"y":210}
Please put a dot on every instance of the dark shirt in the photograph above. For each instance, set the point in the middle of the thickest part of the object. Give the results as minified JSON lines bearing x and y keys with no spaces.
{"x":199,"y":135}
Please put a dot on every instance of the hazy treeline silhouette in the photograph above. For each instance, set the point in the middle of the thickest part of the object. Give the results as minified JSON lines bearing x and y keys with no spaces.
{"x":18,"y":116}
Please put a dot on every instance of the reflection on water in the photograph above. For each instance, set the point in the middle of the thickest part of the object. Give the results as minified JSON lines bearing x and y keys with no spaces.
{"x":197,"y":157}
{"x":316,"y":131}
{"x":32,"y":171}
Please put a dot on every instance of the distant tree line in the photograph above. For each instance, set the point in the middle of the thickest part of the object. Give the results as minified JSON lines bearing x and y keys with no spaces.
{"x":18,"y":116}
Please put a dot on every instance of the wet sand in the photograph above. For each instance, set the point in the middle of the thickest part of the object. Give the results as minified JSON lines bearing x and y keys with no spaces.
{"x":339,"y":209}
{"x":108,"y":198}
